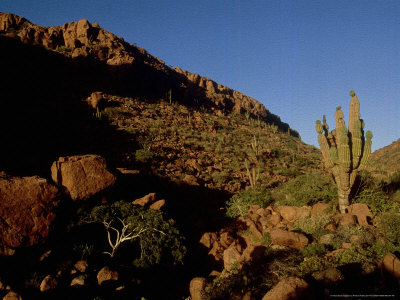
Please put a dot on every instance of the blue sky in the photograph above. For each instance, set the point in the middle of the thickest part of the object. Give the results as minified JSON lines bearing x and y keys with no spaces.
{"x":299,"y":58}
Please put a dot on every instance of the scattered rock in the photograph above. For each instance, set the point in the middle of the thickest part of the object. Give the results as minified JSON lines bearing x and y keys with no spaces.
{"x":344,"y":219}
{"x":319,"y":209}
{"x":190,"y":180}
{"x":392,"y":265}
{"x":273,"y":219}
{"x":149,"y":198}
{"x":330,"y":227}
{"x":95,"y":99}
{"x":105,"y":275}
{"x":197,"y":286}
{"x":226,"y":239}
{"x":158,"y":205}
{"x":292,"y":213}
{"x":11,"y":295}
{"x":231,"y":257}
{"x":288,"y":289}
{"x":82,"y":175}
{"x":327,"y":239}
{"x":48,"y":283}
{"x":208,"y":239}
{"x":362,"y":212}
{"x":78,"y":280}
{"x":26,"y":211}
{"x":81,"y":266}
{"x":289,"y":239}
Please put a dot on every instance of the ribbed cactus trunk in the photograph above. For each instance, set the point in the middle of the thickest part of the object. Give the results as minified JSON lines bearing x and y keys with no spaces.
{"x":345,"y":151}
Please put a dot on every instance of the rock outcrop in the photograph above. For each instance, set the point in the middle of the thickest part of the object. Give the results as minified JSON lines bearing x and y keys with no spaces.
{"x":26,"y":211}
{"x":82,"y":176}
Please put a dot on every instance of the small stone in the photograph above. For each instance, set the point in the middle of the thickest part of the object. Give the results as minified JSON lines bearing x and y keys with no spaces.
{"x":158,"y":205}
{"x":48,"y":283}
{"x":106,"y":275}
{"x":81,"y":266}
{"x":197,"y":286}
{"x":149,"y":198}
{"x":78,"y":280}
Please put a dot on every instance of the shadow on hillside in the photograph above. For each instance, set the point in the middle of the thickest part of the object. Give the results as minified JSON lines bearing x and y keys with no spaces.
{"x":42,"y":112}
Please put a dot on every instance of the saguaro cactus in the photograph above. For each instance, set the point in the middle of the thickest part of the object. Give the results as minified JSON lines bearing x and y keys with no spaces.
{"x":345,"y":152}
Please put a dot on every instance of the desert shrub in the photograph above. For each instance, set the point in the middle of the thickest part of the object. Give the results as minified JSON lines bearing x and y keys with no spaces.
{"x":381,"y":248}
{"x":147,"y":229}
{"x":377,"y":201}
{"x":371,"y":192}
{"x":143,"y":155}
{"x":220,"y":177}
{"x":83,"y":251}
{"x":345,"y":232}
{"x":314,"y":250}
{"x":357,"y":255}
{"x":238,"y":204}
{"x":309,"y":189}
{"x":312,"y":225}
{"x":312,"y":264}
{"x":225,"y":285}
{"x":390,"y":225}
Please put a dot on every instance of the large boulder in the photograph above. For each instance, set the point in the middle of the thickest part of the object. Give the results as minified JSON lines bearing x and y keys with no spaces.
{"x":289,"y":239}
{"x":392,"y":264}
{"x":26,"y":211}
{"x":292,"y":213}
{"x":288,"y":289}
{"x":83,"y":175}
{"x":362,"y":213}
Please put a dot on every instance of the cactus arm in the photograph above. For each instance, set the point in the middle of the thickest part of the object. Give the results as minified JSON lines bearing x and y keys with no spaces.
{"x":367,"y":150}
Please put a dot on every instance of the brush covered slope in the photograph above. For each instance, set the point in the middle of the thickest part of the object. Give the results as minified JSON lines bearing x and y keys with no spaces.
{"x":204,"y":183}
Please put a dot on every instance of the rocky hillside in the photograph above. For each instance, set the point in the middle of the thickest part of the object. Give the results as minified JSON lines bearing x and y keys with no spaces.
{"x":82,"y":39}
{"x":386,"y":161}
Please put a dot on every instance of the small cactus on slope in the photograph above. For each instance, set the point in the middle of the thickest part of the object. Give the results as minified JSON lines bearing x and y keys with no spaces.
{"x":344,"y":151}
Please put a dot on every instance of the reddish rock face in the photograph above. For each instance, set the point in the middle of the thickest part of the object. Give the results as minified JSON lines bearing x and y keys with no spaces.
{"x":83,"y":176}
{"x":26,"y":211}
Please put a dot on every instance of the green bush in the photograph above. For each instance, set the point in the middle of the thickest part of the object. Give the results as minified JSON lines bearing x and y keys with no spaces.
{"x":314,"y":250}
{"x":312,"y":264}
{"x":345,"y":232}
{"x":142,"y":155}
{"x":390,"y":225}
{"x":309,"y":189}
{"x":239,"y":203}
{"x":147,"y":229}
{"x":312,"y":225}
